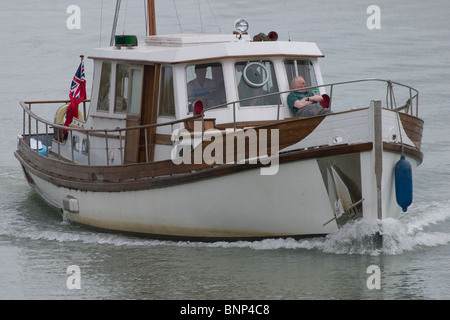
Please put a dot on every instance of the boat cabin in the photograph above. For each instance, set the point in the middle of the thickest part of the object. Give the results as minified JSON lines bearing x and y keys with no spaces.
{"x":230,"y":78}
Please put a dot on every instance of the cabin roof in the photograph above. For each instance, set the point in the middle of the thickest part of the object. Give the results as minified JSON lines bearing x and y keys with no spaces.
{"x":179,"y":48}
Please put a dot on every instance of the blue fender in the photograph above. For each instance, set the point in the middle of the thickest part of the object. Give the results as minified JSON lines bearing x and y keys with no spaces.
{"x":403,"y":183}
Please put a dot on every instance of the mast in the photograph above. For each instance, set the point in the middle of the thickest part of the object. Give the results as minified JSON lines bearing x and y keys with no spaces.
{"x":151,"y":17}
{"x":116,"y":17}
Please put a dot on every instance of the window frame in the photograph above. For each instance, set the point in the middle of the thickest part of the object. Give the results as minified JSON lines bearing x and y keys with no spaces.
{"x":123,"y":110}
{"x":103,"y":86}
{"x":132,"y":87}
{"x":170,"y":97}
{"x":272,"y":84}
{"x":310,"y":79}
{"x":189,"y":69}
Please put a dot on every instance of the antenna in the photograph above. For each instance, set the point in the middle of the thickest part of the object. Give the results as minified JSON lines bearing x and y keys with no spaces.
{"x":287,"y":21}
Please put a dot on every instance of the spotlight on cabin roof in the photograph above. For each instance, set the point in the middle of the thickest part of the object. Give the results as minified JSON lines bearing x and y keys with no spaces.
{"x":241,"y":26}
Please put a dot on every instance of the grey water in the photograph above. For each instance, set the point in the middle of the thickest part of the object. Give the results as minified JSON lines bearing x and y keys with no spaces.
{"x":39,"y":53}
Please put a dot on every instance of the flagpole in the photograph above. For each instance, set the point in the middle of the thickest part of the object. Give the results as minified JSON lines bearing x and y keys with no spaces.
{"x":84,"y":100}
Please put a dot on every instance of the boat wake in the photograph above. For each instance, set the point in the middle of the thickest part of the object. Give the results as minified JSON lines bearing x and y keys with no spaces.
{"x":410,"y":232}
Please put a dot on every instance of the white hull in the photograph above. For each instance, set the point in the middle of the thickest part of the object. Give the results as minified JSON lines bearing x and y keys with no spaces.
{"x":229,"y":206}
{"x":294,"y":202}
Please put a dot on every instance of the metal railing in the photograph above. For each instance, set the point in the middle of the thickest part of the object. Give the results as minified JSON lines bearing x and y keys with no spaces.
{"x":29,"y":131}
{"x":35,"y":131}
{"x":390,"y":97}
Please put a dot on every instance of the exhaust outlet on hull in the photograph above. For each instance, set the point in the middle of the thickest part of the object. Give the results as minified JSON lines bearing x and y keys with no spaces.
{"x":71,"y":204}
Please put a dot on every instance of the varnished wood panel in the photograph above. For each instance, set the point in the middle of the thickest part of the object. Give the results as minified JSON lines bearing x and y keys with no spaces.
{"x":413,"y":127}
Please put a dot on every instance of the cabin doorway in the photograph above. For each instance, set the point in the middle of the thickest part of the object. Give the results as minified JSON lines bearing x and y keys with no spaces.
{"x":143,"y":90}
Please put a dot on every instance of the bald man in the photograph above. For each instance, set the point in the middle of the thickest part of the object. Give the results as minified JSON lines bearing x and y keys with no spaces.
{"x":304,"y":103}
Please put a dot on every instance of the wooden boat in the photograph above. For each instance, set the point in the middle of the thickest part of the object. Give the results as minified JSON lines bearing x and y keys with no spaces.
{"x":146,"y":159}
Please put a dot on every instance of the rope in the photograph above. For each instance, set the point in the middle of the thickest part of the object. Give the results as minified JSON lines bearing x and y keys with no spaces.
{"x":145,"y":17}
{"x":200,"y":13}
{"x":178,"y":17}
{"x":215,"y":18}
{"x":101,"y":24}
{"x":125,"y":19}
{"x":391,"y":90}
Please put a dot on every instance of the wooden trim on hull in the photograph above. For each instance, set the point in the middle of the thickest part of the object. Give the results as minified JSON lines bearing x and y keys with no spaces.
{"x":412,"y":152}
{"x":139,"y":176}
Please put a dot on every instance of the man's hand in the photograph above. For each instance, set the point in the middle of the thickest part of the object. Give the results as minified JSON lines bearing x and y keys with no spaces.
{"x":316,"y":98}
{"x":302,"y":103}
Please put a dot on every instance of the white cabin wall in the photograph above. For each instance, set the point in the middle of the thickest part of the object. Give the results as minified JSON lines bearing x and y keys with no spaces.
{"x":98,"y":119}
{"x":96,"y":85}
{"x":248,"y":113}
{"x":103,"y":120}
{"x":180,"y":89}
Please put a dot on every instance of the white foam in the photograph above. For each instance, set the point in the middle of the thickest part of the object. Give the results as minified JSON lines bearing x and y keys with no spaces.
{"x":410,"y":232}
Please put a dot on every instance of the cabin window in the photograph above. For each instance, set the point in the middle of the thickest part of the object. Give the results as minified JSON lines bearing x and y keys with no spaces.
{"x":121,"y":96}
{"x":85,"y":146}
{"x":303,"y":68}
{"x":76,"y":143}
{"x":205,"y":83}
{"x":166,"y":94}
{"x":256,"y":78}
{"x":105,"y":84}
{"x":134,"y":107}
